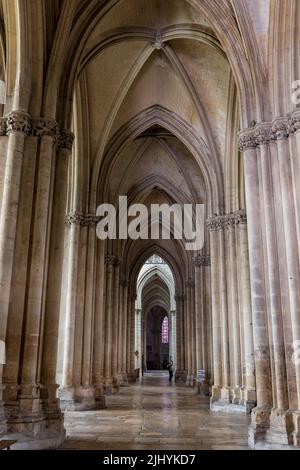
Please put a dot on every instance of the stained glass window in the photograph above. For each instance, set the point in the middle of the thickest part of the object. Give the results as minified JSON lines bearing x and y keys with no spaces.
{"x":165,"y":331}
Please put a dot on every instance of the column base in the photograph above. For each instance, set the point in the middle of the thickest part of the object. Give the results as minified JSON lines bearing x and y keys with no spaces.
{"x":202,"y":389}
{"x":223,"y":406}
{"x":260,"y":423}
{"x":51,"y":403}
{"x":41,"y":437}
{"x":220,"y":399}
{"x":40,"y":429}
{"x":99,"y":397}
{"x":180,"y":376}
{"x":81,"y":398}
{"x":296,"y":428}
{"x":234,"y":400}
{"x":3,"y":427}
{"x":274,"y":429}
{"x":190,"y":380}
{"x":3,"y":424}
{"x":111,"y":385}
{"x":123,"y":380}
{"x":248,"y":399}
{"x":215,"y":393}
{"x":131,"y":377}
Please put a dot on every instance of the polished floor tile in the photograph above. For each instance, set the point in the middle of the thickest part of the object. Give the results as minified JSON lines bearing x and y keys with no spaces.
{"x":155,"y":415}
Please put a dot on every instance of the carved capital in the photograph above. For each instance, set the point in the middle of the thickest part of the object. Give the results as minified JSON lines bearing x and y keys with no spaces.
{"x":240,"y":217}
{"x":294,"y":122}
{"x":215,"y":223}
{"x":65,"y":139}
{"x":266,"y":132}
{"x":247,"y":140}
{"x":280,"y":129}
{"x":3,"y":127}
{"x":45,"y":127}
{"x":227,"y":221}
{"x":18,"y":122}
{"x":84,"y":220}
{"x":263,"y":134}
{"x":234,"y":219}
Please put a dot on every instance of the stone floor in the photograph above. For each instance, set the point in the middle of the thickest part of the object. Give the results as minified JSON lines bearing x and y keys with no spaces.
{"x":155,"y":415}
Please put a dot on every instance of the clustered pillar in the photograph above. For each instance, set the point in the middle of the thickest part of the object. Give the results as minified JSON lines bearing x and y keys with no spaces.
{"x":80,"y":387}
{"x":202,"y":266}
{"x":37,"y":158}
{"x":233,"y":349}
{"x":98,"y":346}
{"x":271,"y":162}
{"x":193,"y":328}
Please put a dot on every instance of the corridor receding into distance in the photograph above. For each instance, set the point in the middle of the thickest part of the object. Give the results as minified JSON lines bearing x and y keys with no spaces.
{"x":154,"y":415}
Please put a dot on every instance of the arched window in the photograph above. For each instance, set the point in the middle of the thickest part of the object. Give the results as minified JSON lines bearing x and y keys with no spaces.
{"x":165,"y":331}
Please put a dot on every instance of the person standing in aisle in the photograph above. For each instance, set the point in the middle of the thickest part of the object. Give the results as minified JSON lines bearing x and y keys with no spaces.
{"x":170,"y":368}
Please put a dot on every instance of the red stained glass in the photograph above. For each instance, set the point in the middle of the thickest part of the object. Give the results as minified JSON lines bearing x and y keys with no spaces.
{"x":165,"y":331}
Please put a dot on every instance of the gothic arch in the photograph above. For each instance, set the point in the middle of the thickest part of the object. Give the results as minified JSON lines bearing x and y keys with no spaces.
{"x":159,"y":116}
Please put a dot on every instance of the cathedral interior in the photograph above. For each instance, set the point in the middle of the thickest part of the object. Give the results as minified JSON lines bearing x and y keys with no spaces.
{"x":164,"y":102}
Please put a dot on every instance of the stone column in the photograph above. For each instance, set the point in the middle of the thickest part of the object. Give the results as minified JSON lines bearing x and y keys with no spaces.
{"x":173,"y":335}
{"x":287,"y":157}
{"x":201,"y":263}
{"x":3,"y":153}
{"x":225,"y":391}
{"x":274,"y":279}
{"x":86,"y":392}
{"x":206,"y":328}
{"x":188,"y":333}
{"x":15,"y":320}
{"x":132,"y":355}
{"x":260,"y":414}
{"x":207,"y":325}
{"x":76,"y":326}
{"x":144,"y":339}
{"x":179,"y":376}
{"x":198,"y":317}
{"x":99,"y":326}
{"x":249,"y":391}
{"x":16,"y":126}
{"x":130,"y":338}
{"x":110,"y":262}
{"x":115,"y":324}
{"x":34,"y":311}
{"x":278,"y":417}
{"x":67,"y":392}
{"x":138,"y":339}
{"x":125,"y":345}
{"x":51,"y":406}
{"x":227,"y":301}
{"x":193,"y":335}
{"x":120,"y":333}
{"x":233,"y":312}
{"x":216,"y":319}
{"x":221,"y":388}
{"x":292,"y":228}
